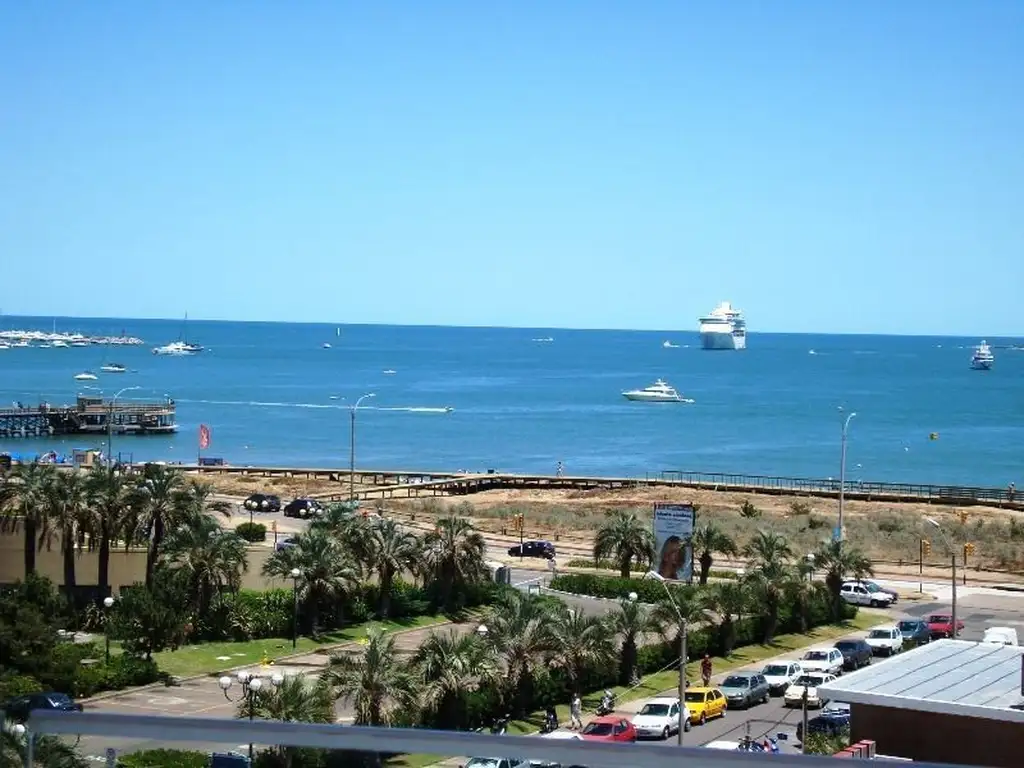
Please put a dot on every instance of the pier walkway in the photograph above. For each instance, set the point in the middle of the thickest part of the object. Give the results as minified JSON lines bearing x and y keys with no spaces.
{"x":402,"y":484}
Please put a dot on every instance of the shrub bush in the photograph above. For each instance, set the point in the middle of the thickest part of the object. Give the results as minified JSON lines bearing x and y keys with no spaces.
{"x":613,"y":587}
{"x":18,"y":685}
{"x":608,"y":565}
{"x":164,"y":758}
{"x":252,"y":532}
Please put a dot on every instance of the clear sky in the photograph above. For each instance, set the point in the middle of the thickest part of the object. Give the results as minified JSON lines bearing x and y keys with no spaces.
{"x":826,"y":166}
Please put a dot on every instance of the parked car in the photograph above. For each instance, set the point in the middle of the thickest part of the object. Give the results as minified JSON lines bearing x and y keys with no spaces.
{"x":885,"y":641}
{"x":497,"y":762}
{"x":781,"y":674}
{"x":303,"y":508}
{"x":705,"y":703}
{"x":1000,"y":636}
{"x":263,"y":502}
{"x":874,"y":586}
{"x":833,"y":720}
{"x":659,"y":718}
{"x":745,"y":689}
{"x":609,"y":728}
{"x":286,"y":543}
{"x":823,"y":660}
{"x":856,"y":593}
{"x":543,"y":549}
{"x":19,"y":708}
{"x":856,"y":653}
{"x":914,"y":631}
{"x":941,"y":625}
{"x":809,"y":681}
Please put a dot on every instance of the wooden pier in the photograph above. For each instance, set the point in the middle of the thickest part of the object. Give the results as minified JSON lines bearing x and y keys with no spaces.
{"x":406,"y":484}
{"x":89,"y":415}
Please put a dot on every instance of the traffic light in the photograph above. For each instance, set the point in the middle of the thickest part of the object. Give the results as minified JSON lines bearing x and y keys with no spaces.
{"x":926,"y":547}
{"x":517,"y":522}
{"x":969,"y":549}
{"x":962,"y":514}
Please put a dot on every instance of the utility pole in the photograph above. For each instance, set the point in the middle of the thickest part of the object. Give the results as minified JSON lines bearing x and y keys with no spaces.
{"x":842,"y":473}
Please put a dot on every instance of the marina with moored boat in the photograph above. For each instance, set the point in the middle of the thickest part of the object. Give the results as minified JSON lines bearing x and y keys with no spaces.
{"x":89,"y":415}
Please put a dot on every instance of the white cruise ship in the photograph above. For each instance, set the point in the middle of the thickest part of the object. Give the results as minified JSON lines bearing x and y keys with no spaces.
{"x":723,"y":328}
{"x":982,"y":358}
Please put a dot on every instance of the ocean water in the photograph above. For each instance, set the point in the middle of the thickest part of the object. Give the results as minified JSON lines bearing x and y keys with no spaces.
{"x":266,"y":389}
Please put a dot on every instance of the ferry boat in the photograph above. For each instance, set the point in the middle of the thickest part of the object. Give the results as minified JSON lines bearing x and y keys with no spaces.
{"x":982,"y":358}
{"x":658,"y":392}
{"x":723,"y":328}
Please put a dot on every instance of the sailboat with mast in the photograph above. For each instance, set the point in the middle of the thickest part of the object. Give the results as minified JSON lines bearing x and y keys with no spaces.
{"x":181,"y":346}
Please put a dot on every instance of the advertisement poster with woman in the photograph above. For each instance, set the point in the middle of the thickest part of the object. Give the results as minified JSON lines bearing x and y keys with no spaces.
{"x":673,"y":545}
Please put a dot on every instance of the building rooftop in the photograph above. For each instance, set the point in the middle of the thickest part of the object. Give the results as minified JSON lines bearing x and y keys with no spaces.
{"x":952,"y":677}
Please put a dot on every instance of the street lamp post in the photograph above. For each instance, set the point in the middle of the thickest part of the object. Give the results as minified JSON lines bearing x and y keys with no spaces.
{"x":352,"y":448}
{"x":110,"y":425}
{"x":842,"y":471}
{"x":682,"y":653}
{"x":251,"y":687}
{"x":295,"y":574}
{"x":108,"y":603}
{"x":952,"y":553}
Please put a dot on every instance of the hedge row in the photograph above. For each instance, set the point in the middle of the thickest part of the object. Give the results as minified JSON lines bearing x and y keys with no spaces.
{"x":610,"y":565}
{"x":614,"y":587}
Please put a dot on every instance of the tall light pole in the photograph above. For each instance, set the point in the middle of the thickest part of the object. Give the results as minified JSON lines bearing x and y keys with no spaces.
{"x":952,"y":553}
{"x":295,"y":574}
{"x":108,"y":603}
{"x":842,"y":471}
{"x":682,"y":653}
{"x":251,"y":687}
{"x":352,"y":448}
{"x":110,"y":425}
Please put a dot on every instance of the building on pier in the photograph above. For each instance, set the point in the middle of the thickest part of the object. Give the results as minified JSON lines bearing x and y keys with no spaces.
{"x":89,"y":415}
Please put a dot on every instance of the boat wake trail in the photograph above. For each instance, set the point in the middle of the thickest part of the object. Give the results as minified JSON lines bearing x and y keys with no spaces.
{"x":336,"y":407}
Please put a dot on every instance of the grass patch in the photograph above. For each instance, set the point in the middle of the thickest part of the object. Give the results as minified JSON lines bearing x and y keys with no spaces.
{"x":204,"y":658}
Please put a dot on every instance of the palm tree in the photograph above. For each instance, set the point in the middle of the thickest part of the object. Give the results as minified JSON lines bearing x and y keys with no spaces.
{"x":711,"y":539}
{"x":730,"y":601}
{"x":23,"y":498}
{"x":47,"y":751}
{"x":686,"y":604}
{"x":453,"y":554}
{"x":631,"y":622}
{"x":67,"y":507}
{"x":328,"y":571}
{"x":581,"y":642}
{"x":626,"y":537}
{"x":158,"y":499}
{"x":802,"y":591}
{"x":839,"y":561}
{"x":519,"y":630}
{"x":389,"y":550}
{"x":109,"y":492}
{"x":296,"y":699}
{"x":769,"y":556}
{"x":452,"y":666}
{"x":376,"y":680}
{"x":210,"y":559}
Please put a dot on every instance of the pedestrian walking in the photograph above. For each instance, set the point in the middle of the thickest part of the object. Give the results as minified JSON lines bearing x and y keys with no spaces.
{"x":705,"y":670}
{"x":559,"y":470}
{"x":576,"y":712}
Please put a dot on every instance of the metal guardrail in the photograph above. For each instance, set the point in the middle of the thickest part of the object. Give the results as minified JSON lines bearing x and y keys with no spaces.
{"x":403,"y":740}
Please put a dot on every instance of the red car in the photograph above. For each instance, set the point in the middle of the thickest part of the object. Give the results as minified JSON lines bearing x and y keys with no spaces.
{"x":609,"y":728}
{"x":941,"y":625}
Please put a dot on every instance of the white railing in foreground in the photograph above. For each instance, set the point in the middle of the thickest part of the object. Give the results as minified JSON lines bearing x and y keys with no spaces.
{"x":409,"y":740}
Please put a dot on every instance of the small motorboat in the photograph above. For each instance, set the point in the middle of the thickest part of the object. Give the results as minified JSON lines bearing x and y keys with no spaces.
{"x":85,"y":376}
{"x":326,"y":345}
{"x":658,"y":392}
{"x":669,"y":345}
{"x":389,"y":372}
{"x":113,"y":368}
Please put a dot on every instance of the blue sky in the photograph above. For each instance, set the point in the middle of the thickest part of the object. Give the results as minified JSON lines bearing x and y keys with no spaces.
{"x":847,"y":167}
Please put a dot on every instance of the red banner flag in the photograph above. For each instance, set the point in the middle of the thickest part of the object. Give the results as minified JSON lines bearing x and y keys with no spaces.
{"x":204,"y":437}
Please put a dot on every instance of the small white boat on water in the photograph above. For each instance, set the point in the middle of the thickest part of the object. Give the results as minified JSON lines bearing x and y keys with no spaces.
{"x":177,"y":348}
{"x":325,"y":345}
{"x":85,"y":376}
{"x":658,"y":392}
{"x":389,"y":372}
{"x":58,"y":343}
{"x":113,"y":368}
{"x":982,"y":358}
{"x":669,"y":345}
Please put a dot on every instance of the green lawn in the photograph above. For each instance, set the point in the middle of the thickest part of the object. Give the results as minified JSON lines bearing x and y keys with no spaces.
{"x":211,"y":658}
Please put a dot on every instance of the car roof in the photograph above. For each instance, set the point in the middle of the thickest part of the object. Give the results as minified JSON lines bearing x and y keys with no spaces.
{"x":699,"y":689}
{"x":607,"y":719}
{"x":663,"y":700}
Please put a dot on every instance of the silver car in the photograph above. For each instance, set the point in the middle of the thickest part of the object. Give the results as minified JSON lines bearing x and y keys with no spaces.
{"x":745,"y":689}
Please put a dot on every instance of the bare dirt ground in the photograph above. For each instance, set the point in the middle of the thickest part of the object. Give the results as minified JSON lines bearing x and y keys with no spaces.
{"x":889,"y":532}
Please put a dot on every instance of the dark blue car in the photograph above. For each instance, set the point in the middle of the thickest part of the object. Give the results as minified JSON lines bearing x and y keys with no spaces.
{"x":833,"y":720}
{"x":915,"y":631}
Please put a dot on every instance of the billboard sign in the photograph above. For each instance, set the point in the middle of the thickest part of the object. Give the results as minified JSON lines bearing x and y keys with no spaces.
{"x":673,"y":546}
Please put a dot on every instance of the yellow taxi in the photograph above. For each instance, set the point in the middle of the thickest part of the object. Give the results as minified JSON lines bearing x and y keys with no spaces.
{"x":704,"y":703}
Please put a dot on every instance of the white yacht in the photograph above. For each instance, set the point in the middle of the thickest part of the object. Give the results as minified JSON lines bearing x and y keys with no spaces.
{"x":58,"y":343}
{"x":724,"y":328}
{"x":982,"y":358}
{"x":113,"y":368}
{"x":658,"y":392}
{"x":177,"y":348}
{"x":85,"y":376}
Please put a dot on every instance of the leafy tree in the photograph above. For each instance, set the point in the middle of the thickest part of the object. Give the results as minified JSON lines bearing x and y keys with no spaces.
{"x":768,"y":573}
{"x":626,"y":537}
{"x":685,"y":603}
{"x":709,"y":539}
{"x":840,"y":560}
{"x":519,"y":631}
{"x":47,"y":751}
{"x":23,"y":496}
{"x":453,"y":555}
{"x":149,"y":620}
{"x":31,"y":612}
{"x":452,"y":667}
{"x":329,"y":572}
{"x":580,"y":641}
{"x":631,"y":622}
{"x":210,"y":558}
{"x":376,"y":680}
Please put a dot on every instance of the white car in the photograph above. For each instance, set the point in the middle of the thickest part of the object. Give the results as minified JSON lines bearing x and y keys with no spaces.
{"x":828,"y":660}
{"x":857,"y":593}
{"x":497,"y":762}
{"x":563,"y":735}
{"x":781,"y":674}
{"x":1000,"y":636}
{"x":731,"y":746}
{"x":885,"y":641}
{"x":659,"y":718}
{"x":809,"y":681}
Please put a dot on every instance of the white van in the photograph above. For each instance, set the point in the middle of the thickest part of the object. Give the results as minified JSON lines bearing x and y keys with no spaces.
{"x":1000,"y":636}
